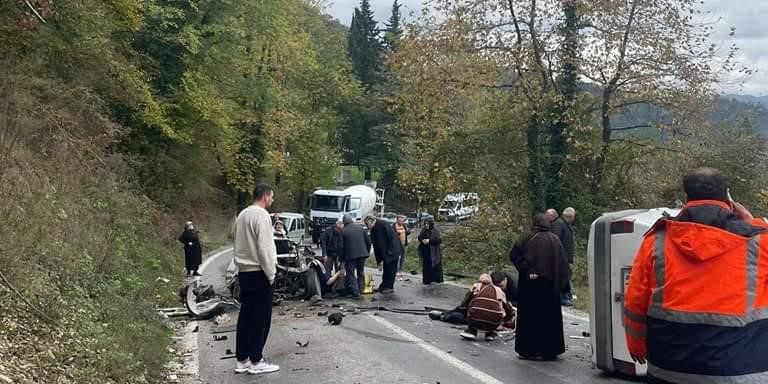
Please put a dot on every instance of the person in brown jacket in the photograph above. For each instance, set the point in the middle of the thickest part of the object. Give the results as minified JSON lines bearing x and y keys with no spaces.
{"x":487,"y":306}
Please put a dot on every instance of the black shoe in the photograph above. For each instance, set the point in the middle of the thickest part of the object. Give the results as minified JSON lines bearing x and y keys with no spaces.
{"x":386,"y":290}
{"x":196,"y":274}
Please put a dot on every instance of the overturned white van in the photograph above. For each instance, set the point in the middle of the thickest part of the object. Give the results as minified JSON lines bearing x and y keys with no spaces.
{"x":614,"y":238}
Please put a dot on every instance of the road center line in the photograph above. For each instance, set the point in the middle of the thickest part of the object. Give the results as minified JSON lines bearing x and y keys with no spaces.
{"x":439,"y":353}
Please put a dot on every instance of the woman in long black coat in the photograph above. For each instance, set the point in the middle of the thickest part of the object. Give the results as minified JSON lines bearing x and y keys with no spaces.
{"x":544,"y":271}
{"x":193,"y":250}
{"x":429,"y":252}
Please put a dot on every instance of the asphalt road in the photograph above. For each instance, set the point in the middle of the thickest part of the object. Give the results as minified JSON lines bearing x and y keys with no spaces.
{"x":383,"y":347}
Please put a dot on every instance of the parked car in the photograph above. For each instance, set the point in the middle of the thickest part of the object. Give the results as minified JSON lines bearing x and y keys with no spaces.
{"x":414,"y":219}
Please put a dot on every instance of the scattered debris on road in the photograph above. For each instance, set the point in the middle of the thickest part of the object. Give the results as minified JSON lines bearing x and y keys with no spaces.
{"x":335,"y":318}
{"x":222,"y":319}
{"x":173,"y":312}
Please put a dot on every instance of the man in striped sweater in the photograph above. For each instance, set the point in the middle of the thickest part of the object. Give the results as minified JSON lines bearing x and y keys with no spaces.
{"x":487,"y":306}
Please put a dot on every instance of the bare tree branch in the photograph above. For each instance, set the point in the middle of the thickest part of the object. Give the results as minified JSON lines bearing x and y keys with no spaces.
{"x":644,"y":145}
{"x":631,"y":127}
{"x":37,"y":14}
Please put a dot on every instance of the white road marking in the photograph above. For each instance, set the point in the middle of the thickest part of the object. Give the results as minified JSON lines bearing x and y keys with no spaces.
{"x":475,"y":373}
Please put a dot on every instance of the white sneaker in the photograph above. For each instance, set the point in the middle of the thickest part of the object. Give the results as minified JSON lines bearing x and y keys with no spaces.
{"x":263,"y":367}
{"x":466,"y":335}
{"x":243,"y":366}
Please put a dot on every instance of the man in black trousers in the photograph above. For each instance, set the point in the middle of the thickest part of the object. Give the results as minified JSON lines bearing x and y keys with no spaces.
{"x":357,"y":247}
{"x":256,"y":258}
{"x":386,"y":248}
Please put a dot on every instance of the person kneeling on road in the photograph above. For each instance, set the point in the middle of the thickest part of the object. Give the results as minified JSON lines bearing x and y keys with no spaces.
{"x":328,"y":278}
{"x":487,"y":306}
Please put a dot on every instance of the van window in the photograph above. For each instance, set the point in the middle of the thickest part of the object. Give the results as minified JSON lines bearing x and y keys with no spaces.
{"x":354,"y":204}
{"x":293,"y":226}
{"x":301,"y":223}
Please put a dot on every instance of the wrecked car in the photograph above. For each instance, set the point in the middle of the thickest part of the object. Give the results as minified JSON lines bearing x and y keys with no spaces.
{"x":298,"y":272}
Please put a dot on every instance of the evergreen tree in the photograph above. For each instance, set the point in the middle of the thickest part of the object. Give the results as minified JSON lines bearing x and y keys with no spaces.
{"x":394,"y":30}
{"x":364,"y":44}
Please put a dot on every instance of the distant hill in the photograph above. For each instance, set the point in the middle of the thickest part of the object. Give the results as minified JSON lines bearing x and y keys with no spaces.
{"x":755,"y":107}
{"x":729,"y":107}
{"x":763,"y":100}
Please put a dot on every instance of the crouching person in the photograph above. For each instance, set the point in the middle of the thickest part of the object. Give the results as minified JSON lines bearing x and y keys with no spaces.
{"x":329,"y":279}
{"x":487,"y":307}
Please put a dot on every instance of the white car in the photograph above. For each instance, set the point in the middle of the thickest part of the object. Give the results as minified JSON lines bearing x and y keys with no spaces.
{"x":295,"y":226}
{"x":458,"y":206}
{"x":298,"y":271}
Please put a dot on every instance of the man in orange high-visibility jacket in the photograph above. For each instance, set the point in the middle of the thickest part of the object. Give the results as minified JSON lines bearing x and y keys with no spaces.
{"x":696,"y":307}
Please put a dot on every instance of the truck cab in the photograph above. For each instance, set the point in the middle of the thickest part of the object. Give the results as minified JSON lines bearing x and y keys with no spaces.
{"x":329,"y":205}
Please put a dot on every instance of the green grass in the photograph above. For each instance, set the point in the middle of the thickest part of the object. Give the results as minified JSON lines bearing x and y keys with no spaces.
{"x":582,"y":303}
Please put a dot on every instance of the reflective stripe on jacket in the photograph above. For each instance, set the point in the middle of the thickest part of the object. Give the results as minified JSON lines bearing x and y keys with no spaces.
{"x":697,"y":301}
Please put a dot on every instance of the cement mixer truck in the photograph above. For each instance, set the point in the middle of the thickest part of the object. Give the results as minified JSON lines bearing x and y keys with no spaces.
{"x":328,"y":205}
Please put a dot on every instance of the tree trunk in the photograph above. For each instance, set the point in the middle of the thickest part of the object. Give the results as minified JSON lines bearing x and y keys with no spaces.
{"x":556,"y":193}
{"x":368,"y":172}
{"x":598,"y":172}
{"x":535,"y":185}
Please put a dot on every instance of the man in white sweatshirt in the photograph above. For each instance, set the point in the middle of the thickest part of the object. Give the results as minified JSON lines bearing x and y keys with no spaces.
{"x":256,"y":259}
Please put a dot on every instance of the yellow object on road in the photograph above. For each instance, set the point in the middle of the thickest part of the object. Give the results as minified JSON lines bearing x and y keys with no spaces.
{"x":368,"y":284}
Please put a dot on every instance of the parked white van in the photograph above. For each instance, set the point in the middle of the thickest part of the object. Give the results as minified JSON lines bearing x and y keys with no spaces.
{"x":458,"y":206}
{"x":295,"y":225}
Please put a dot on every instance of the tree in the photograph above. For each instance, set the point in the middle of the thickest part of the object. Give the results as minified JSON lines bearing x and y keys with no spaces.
{"x":564,"y":105}
{"x":394,"y":30}
{"x":637,"y":52}
{"x":364,"y":45}
{"x":651,"y":53}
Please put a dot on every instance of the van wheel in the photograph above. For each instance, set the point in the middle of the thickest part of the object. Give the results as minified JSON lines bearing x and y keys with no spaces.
{"x":313,"y":283}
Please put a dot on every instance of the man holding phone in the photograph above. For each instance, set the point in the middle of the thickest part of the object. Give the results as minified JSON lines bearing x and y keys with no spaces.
{"x":696,"y":307}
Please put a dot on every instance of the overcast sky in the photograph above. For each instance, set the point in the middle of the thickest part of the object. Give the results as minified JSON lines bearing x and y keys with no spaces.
{"x":746,"y":15}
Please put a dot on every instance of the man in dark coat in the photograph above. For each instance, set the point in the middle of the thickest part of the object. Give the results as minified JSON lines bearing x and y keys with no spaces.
{"x":543,"y":273}
{"x":332,"y":242}
{"x":193,"y":251}
{"x":357,"y":248}
{"x":386,"y":249}
{"x":562,"y":227}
